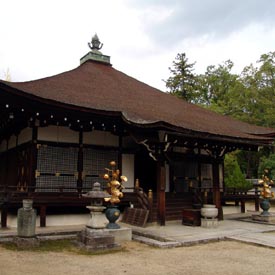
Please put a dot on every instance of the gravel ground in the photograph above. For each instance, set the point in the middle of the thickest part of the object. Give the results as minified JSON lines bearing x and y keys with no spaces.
{"x":224,"y":258}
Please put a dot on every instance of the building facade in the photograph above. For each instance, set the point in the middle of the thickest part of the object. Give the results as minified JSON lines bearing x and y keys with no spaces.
{"x":57,"y":135}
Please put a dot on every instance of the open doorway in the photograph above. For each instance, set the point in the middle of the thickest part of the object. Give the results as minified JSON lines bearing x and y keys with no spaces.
{"x":146,"y":170}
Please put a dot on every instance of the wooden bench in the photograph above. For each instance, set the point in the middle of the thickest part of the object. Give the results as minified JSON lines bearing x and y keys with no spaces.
{"x":191,"y":217}
{"x":241,"y":197}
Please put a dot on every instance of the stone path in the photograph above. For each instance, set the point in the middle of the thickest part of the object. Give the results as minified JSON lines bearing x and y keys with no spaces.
{"x":174,"y":234}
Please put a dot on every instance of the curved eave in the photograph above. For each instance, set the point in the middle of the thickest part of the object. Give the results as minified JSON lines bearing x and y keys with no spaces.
{"x":55,"y":103}
{"x":100,"y":89}
{"x":183,"y":132}
{"x":255,"y":139}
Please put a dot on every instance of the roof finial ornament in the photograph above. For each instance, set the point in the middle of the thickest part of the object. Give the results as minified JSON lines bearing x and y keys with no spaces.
{"x":94,"y":54}
{"x":95,"y":44}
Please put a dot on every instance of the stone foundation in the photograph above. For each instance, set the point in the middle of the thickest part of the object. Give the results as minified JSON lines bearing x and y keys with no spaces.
{"x":100,"y":239}
{"x":27,"y":243}
{"x":96,"y":239}
{"x":209,"y":223}
{"x":264,"y":218}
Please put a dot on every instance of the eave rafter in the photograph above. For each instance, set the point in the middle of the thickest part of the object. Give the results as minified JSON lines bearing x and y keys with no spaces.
{"x":19,"y":112}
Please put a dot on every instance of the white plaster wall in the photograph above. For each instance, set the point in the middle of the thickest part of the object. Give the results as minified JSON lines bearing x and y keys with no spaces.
{"x":128,"y":162}
{"x":54,"y":220}
{"x":12,"y":142}
{"x":58,"y":134}
{"x":3,"y":146}
{"x":100,"y":138}
{"x":25,"y":135}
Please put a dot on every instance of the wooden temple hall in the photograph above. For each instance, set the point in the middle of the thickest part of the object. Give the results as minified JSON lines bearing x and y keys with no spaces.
{"x":57,"y":134}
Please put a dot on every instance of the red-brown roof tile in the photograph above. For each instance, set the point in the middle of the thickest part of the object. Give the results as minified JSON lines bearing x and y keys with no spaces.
{"x":98,"y":86}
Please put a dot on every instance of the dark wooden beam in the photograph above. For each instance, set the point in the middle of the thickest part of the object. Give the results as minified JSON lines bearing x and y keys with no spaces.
{"x":80,"y":163}
{"x":43,"y":210}
{"x":216,"y":188}
{"x":4,"y":217}
{"x":31,"y":181}
{"x":161,"y":183}
{"x":120,"y":149}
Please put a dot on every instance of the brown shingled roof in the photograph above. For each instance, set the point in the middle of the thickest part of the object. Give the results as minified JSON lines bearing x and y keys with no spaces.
{"x":98,"y":86}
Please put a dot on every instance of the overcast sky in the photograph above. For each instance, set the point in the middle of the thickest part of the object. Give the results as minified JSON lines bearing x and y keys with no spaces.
{"x":42,"y":38}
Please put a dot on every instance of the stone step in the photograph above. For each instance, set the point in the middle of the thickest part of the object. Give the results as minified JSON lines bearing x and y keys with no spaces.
{"x":156,"y":243}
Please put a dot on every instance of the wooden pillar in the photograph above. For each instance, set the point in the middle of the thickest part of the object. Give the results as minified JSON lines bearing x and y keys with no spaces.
{"x":4,"y":210}
{"x":257,"y":204}
{"x":199,"y":169}
{"x":7,"y":168}
{"x":80,"y":163}
{"x":151,"y":201}
{"x":33,"y":159}
{"x":242,"y":206}
{"x":43,"y":210}
{"x":120,"y":149}
{"x":216,"y":188}
{"x":4,"y":217}
{"x":161,"y":183}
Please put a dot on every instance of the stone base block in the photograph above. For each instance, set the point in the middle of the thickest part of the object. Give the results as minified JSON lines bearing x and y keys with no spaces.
{"x":98,"y":239}
{"x":264,"y":218}
{"x":121,"y":234}
{"x":27,"y":243}
{"x":209,"y":223}
{"x":93,"y":240}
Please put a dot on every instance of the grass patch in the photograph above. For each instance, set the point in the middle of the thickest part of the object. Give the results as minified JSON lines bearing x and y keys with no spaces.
{"x":68,"y":246}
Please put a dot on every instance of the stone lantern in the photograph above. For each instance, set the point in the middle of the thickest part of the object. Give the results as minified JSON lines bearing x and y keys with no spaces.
{"x":95,"y":235}
{"x":98,"y":219}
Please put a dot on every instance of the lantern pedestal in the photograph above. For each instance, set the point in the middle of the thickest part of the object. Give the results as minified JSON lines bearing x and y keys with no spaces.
{"x":98,"y":219}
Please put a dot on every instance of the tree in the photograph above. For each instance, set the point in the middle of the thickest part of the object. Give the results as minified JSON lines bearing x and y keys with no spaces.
{"x":269,"y":164}
{"x":259,"y":90}
{"x":182,"y":82}
{"x":233,"y":177}
{"x":249,"y":96}
{"x":219,"y":89}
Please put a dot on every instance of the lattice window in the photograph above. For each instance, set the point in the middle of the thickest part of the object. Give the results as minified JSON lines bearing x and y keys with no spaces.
{"x":48,"y":183}
{"x":206,"y":175}
{"x":57,"y":168}
{"x":53,"y":159}
{"x":94,"y":162}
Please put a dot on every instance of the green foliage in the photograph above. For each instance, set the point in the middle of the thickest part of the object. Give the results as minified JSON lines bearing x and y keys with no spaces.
{"x":63,"y":245}
{"x":269,"y":164}
{"x":249,"y":162}
{"x":216,"y":84}
{"x":249,"y":96}
{"x":45,"y":246}
{"x":233,"y":177}
{"x":182,"y":82}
